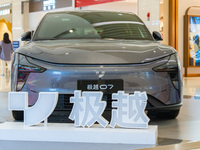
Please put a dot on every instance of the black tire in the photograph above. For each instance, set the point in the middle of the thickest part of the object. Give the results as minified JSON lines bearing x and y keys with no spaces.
{"x":18,"y":115}
{"x":171,"y":114}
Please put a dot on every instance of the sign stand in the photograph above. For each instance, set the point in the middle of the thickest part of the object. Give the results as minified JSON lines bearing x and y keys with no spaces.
{"x":54,"y":132}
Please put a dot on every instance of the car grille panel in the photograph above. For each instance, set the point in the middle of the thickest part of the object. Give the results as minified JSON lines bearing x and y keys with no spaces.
{"x":64,"y":101}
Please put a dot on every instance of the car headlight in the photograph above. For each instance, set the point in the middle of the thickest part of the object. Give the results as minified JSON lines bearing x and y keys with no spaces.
{"x":24,"y":69}
{"x":172,"y":68}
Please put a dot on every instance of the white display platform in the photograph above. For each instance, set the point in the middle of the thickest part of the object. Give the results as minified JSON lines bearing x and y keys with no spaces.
{"x":63,"y":132}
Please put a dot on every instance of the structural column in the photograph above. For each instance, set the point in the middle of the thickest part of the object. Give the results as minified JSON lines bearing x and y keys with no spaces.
{"x":17,"y":20}
{"x":173,"y":23}
{"x":26,"y":15}
{"x":166,"y":22}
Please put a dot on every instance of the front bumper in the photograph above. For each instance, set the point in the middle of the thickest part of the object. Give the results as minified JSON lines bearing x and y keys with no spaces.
{"x":136,"y":77}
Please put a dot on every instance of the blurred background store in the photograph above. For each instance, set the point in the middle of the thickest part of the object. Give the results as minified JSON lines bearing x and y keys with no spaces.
{"x":165,"y":16}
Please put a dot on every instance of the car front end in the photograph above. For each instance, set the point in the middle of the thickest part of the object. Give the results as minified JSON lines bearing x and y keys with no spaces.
{"x":100,"y":55}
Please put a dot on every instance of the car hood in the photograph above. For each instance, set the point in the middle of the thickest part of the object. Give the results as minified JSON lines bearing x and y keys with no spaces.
{"x":96,"y":51}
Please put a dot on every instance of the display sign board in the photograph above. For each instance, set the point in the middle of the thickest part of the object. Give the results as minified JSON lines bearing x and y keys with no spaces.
{"x":128,"y":109}
{"x":191,"y":38}
{"x":82,"y":3}
{"x":15,"y":45}
{"x":42,"y":5}
{"x":194,"y":41}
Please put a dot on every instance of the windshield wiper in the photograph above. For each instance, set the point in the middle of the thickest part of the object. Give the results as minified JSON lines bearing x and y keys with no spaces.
{"x":65,"y":32}
{"x":58,"y":35}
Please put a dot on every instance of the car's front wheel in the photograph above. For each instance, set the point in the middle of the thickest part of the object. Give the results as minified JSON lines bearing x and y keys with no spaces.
{"x":171,"y":114}
{"x":18,"y":115}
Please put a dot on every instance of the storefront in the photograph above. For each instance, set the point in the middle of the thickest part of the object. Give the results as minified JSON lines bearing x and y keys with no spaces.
{"x":5,"y":20}
{"x":158,"y":15}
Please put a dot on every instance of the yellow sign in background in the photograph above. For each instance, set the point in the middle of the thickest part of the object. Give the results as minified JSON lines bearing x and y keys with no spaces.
{"x":5,"y":26}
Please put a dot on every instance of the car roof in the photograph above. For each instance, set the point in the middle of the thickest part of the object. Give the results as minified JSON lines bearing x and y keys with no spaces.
{"x":92,"y":11}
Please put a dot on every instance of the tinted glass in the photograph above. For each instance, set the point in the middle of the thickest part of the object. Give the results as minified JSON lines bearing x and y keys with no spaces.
{"x":98,"y":25}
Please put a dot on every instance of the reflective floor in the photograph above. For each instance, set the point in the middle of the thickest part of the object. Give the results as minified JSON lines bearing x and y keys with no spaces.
{"x":187,"y":125}
{"x":185,"y":129}
{"x":5,"y":81}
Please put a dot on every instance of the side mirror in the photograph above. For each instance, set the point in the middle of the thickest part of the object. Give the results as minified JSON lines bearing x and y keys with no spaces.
{"x":157,"y":36}
{"x":27,"y":36}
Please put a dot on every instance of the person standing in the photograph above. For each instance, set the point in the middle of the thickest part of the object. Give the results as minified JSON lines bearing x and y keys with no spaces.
{"x":5,"y":54}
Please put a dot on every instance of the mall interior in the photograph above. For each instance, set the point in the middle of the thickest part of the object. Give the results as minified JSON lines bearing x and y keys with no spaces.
{"x":178,"y":21}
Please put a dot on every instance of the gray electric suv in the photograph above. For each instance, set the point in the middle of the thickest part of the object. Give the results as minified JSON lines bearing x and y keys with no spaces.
{"x":97,"y":51}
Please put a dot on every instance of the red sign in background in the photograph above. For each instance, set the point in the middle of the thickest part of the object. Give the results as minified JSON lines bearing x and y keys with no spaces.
{"x":82,"y":3}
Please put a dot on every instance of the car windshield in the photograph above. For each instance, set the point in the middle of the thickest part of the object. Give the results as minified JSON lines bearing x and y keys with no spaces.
{"x":92,"y":25}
